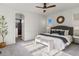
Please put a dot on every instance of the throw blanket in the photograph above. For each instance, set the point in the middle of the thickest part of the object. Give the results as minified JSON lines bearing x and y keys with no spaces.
{"x":62,"y":38}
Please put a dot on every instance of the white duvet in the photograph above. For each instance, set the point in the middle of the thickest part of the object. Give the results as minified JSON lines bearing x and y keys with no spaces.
{"x":57,"y":43}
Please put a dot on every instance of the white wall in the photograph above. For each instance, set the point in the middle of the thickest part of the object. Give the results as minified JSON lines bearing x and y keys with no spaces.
{"x":68,"y":14}
{"x":34,"y":24}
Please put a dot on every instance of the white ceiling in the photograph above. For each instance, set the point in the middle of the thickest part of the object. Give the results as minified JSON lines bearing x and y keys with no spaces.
{"x":31,"y":7}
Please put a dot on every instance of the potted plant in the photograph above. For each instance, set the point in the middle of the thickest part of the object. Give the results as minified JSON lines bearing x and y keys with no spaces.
{"x":3,"y":31}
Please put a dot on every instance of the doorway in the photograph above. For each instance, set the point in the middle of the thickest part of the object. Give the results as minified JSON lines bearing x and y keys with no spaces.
{"x":19,"y":26}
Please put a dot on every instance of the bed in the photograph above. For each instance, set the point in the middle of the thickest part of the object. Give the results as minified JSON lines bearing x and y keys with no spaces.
{"x":60,"y":41}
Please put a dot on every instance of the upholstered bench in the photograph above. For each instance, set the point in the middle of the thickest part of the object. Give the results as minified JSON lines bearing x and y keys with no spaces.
{"x":47,"y":42}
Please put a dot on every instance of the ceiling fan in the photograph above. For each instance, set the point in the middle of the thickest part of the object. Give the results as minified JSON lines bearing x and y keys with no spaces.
{"x":45,"y":7}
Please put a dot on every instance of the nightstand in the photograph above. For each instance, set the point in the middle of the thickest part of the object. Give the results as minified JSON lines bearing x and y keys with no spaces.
{"x":76,"y":39}
{"x":76,"y":34}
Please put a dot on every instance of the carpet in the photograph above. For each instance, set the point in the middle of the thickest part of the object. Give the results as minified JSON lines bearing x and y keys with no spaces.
{"x":30,"y":49}
{"x":41,"y":50}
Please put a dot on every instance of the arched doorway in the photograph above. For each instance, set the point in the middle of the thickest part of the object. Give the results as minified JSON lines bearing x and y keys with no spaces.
{"x":19,"y":26}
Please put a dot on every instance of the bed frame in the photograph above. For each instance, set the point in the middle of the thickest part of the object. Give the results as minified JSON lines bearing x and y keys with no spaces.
{"x":49,"y":42}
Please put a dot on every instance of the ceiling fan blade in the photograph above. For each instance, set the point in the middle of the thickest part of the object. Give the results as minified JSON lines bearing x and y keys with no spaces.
{"x":51,"y":6}
{"x":38,"y":7}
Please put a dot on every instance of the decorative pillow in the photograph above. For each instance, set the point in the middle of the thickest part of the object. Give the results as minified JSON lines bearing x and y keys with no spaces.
{"x":61,"y":32}
{"x":56,"y":31}
{"x":66,"y":32}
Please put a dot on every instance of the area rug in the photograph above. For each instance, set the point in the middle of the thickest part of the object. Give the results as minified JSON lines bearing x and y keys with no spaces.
{"x":41,"y":50}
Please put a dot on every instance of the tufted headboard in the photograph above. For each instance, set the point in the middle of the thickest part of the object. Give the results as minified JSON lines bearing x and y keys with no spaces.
{"x":64,"y":28}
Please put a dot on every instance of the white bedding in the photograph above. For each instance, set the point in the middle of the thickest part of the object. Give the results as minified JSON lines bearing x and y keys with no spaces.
{"x":58,"y":43}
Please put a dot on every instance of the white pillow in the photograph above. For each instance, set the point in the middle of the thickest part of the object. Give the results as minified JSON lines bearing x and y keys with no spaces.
{"x":66,"y":32}
{"x":56,"y":29}
{"x":59,"y":29}
{"x":53,"y":29}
